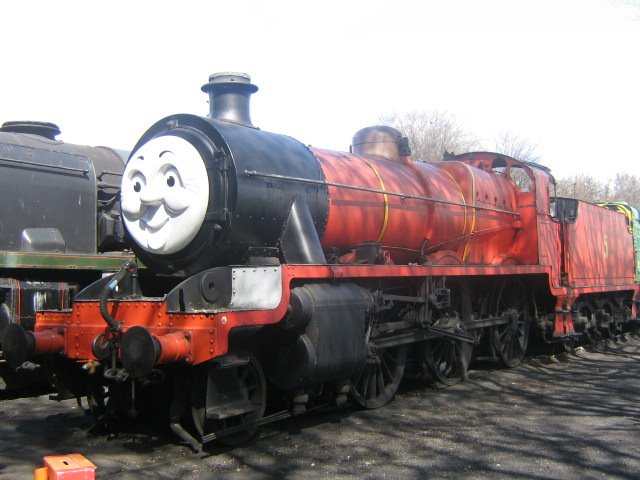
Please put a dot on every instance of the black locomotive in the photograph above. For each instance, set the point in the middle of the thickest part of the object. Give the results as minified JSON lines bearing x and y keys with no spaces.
{"x":60,"y":215}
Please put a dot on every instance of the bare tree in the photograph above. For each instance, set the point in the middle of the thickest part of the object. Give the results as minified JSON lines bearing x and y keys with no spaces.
{"x":516,"y":146}
{"x":583,"y":187}
{"x":626,"y":188}
{"x":432,"y":133}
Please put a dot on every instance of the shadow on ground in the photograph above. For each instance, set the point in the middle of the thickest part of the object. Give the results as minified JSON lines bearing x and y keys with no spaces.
{"x":565,"y":416}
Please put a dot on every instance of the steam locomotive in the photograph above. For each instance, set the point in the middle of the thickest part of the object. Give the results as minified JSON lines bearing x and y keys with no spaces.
{"x":313,"y":275}
{"x":61,"y":214}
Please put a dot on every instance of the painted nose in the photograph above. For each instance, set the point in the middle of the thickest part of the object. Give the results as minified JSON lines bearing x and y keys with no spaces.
{"x":153,"y":194}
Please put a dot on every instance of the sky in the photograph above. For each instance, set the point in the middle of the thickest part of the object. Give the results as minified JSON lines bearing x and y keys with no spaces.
{"x":563,"y":73}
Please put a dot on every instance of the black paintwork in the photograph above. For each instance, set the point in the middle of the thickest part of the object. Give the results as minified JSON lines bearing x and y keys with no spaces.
{"x":245,"y":212}
{"x":24,"y":298}
{"x":66,"y":195}
{"x":330,"y":321}
{"x":299,"y":241}
{"x":56,"y":198}
{"x":205,"y":291}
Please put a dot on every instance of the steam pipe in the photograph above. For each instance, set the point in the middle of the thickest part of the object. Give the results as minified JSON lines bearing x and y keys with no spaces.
{"x":128,"y":268}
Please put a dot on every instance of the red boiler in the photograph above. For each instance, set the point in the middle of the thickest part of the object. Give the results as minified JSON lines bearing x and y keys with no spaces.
{"x":416,"y":211}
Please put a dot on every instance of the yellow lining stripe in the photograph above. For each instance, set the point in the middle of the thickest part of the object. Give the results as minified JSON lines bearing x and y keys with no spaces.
{"x":473,"y":218}
{"x":469,"y":234}
{"x":385,"y":222}
{"x":625,"y":210}
{"x":464,"y":201}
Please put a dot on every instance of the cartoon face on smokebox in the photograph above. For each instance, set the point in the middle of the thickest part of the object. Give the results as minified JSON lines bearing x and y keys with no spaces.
{"x":165,"y":193}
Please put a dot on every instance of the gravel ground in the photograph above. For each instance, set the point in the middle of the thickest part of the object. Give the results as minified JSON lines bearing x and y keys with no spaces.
{"x":570,"y":416}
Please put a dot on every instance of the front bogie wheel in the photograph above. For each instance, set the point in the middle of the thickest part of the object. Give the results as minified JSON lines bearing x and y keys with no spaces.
{"x":226,"y":401}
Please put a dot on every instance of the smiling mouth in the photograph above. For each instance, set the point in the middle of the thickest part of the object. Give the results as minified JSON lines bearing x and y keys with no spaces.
{"x":154,"y":218}
{"x":155,"y":228}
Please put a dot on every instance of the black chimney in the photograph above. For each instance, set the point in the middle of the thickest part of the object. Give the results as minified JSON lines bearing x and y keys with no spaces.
{"x":229,"y":94}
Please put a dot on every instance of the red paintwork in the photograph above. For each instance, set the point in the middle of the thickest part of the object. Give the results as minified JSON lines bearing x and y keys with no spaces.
{"x":474,"y":235}
{"x":209,"y":333}
{"x":458,"y":239}
{"x":174,"y":347}
{"x":598,"y":248}
{"x":66,"y":467}
{"x":597,"y":257}
{"x":498,"y":239}
{"x":48,"y":341}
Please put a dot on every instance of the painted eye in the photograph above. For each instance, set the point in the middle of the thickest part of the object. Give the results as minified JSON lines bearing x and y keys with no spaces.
{"x":171,"y":181}
{"x":137,"y":179}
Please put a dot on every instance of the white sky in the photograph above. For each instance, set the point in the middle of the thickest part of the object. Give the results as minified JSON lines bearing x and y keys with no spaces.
{"x":564,"y":73}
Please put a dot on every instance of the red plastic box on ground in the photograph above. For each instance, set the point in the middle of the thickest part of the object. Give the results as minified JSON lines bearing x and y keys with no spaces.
{"x":66,"y":467}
